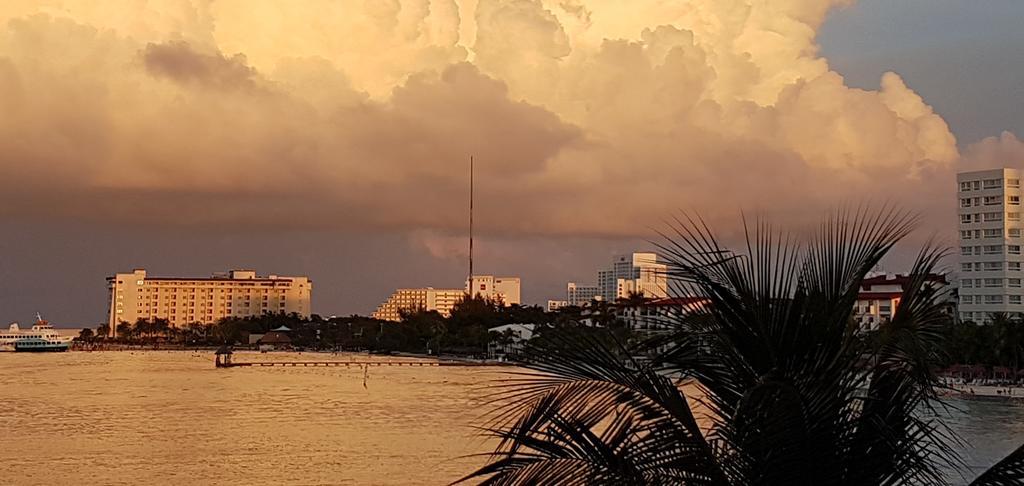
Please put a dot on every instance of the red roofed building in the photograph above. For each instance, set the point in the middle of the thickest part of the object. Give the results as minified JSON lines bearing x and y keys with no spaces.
{"x":879,"y":297}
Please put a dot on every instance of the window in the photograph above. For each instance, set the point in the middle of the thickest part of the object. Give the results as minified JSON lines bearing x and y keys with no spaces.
{"x":989,"y":266}
{"x":1013,"y":266}
{"x":1013,"y":182}
{"x":993,"y":200}
{"x":997,"y":216}
{"x":993,"y":282}
{"x":1012,"y":232}
{"x":966,"y":299}
{"x":1013,"y":249}
{"x":1013,"y":216}
{"x":967,"y":283}
{"x":975,"y":185}
{"x":1014,"y":299}
{"x":993,"y":299}
{"x":1013,"y":200}
{"x":965,"y":202}
{"x":966,"y":234}
{"x":965,"y":186}
{"x":993,"y":183}
{"x":965,"y":218}
{"x":965,"y":267}
{"x":993,"y":249}
{"x":1013,"y":282}
{"x":966,"y":250}
{"x":993,"y":233}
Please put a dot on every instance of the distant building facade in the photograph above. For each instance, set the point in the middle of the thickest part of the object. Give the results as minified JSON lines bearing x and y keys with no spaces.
{"x":880,"y":295}
{"x":411,"y":300}
{"x":579,"y":295}
{"x":503,"y":289}
{"x":638,"y":272}
{"x":182,"y":301}
{"x":989,"y":211}
{"x":555,"y":305}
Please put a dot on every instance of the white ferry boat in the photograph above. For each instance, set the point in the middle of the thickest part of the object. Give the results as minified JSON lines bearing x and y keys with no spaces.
{"x":41,"y":338}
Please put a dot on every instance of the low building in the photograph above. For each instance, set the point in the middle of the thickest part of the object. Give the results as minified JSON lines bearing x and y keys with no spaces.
{"x":275,"y":340}
{"x":555,"y":305}
{"x":186,"y":300}
{"x":508,"y":340}
{"x":880,"y":295}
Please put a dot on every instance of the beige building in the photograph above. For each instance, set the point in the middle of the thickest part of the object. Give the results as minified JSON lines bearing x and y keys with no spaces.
{"x":429,"y":299}
{"x":182,"y":301}
{"x":502,"y":289}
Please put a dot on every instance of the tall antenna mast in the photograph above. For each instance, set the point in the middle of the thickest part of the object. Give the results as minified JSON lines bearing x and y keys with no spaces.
{"x":470,"y":282}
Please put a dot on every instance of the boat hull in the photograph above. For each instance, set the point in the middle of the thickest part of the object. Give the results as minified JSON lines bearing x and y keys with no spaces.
{"x":52,"y":348}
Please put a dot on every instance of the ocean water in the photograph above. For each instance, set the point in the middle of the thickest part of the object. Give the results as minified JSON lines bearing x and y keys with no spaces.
{"x":170,"y":417}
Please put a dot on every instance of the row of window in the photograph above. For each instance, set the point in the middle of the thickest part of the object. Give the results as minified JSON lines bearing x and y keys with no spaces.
{"x":989,"y":299}
{"x":968,"y":283}
{"x":989,"y":233}
{"x":989,"y":266}
{"x":989,"y":250}
{"x":988,"y":184}
{"x":989,"y":217}
{"x":966,"y":202}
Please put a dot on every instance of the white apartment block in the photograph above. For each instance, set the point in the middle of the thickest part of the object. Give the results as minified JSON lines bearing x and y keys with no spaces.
{"x":182,"y":301}
{"x":580,"y":295}
{"x":634,"y":273}
{"x":989,"y":210}
{"x":555,"y":305}
{"x":411,"y":300}
{"x":503,"y":289}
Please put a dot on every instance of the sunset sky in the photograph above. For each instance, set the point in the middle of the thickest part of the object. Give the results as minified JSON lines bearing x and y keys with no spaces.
{"x":331,"y":138}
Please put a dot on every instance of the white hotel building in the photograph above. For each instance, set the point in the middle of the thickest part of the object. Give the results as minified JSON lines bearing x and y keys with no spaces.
{"x":502,"y":289}
{"x":990,"y":244}
{"x":182,"y":301}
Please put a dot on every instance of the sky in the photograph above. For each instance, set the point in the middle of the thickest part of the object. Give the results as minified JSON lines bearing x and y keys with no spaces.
{"x":331,"y":138}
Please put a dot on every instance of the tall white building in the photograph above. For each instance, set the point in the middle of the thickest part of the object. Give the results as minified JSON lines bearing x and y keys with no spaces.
{"x":238,"y":293}
{"x":579,"y":295}
{"x":428,"y":299}
{"x":990,"y":243}
{"x":503,"y":289}
{"x":634,"y":273}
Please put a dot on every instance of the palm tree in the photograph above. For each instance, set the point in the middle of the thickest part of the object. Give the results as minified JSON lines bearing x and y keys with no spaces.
{"x":784,"y":391}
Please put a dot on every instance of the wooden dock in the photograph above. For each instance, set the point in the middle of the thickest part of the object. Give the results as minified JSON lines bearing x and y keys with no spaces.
{"x":358,"y":364}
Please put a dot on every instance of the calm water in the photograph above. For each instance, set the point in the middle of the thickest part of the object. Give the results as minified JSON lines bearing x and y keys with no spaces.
{"x":170,"y":417}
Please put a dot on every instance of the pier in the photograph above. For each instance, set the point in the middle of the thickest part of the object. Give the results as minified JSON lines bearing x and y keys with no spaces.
{"x":233,"y":364}
{"x":224,"y":360}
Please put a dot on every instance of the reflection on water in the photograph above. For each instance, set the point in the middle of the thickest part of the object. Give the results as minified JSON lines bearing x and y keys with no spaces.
{"x":170,"y":417}
{"x":992,"y":428}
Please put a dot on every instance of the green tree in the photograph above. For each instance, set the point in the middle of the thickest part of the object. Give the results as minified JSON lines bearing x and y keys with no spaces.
{"x":1008,"y":336}
{"x":85,"y":334}
{"x":791,"y":393}
{"x":124,"y":330}
{"x":103,"y":330}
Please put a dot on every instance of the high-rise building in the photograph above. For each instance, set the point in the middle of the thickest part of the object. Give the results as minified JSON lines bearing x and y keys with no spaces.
{"x":502,"y":289}
{"x":579,"y":295}
{"x":990,"y":243}
{"x":633,"y":273}
{"x":427,"y":299}
{"x":238,"y":293}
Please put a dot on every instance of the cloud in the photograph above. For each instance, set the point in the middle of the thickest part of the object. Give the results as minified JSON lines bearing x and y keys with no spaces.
{"x":585,"y":117}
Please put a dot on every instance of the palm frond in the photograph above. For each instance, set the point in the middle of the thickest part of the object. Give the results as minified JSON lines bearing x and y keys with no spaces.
{"x":1007,"y":472}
